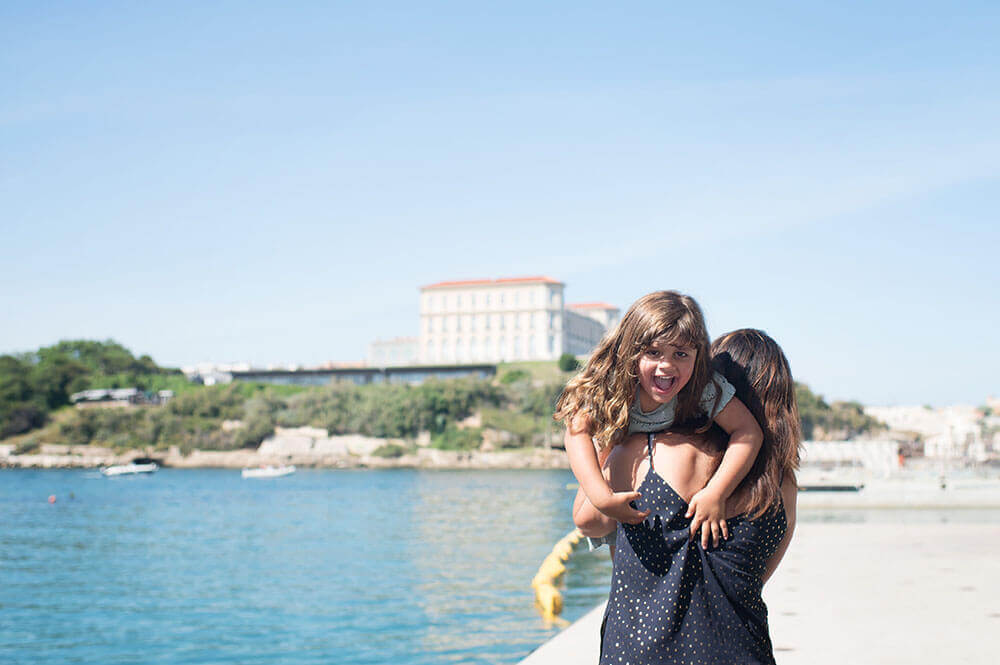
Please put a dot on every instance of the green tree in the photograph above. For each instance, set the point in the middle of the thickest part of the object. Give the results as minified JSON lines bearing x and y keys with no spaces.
{"x":56,"y":376}
{"x":20,"y":408}
{"x":568,"y":362}
{"x":846,"y":419}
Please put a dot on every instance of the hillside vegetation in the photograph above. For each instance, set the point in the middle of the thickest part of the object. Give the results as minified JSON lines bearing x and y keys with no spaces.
{"x":514,"y":410}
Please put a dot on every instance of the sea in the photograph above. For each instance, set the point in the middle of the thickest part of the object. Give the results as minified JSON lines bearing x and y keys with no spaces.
{"x":323,"y":566}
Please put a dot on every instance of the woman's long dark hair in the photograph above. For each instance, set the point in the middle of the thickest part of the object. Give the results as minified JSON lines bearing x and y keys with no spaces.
{"x":759,"y":370}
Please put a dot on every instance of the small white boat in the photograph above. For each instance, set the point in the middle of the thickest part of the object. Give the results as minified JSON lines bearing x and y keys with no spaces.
{"x":129,"y":469}
{"x":268,"y":471}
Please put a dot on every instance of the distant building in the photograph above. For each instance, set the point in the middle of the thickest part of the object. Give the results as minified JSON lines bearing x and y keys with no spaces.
{"x":502,"y":320}
{"x":393,"y":352}
{"x":879,"y":456}
{"x":586,"y":324}
{"x":118,"y":397}
{"x":950,"y":432}
{"x":412,"y":375}
{"x":211,"y":374}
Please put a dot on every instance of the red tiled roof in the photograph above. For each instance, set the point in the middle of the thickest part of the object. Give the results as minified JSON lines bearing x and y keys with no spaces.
{"x":490,"y":282}
{"x":592,"y":305}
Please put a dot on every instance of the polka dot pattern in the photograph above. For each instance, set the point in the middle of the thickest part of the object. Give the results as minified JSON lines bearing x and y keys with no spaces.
{"x":673,"y":602}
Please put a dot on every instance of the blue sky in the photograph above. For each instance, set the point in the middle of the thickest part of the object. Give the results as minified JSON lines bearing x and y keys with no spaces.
{"x":249,"y":181}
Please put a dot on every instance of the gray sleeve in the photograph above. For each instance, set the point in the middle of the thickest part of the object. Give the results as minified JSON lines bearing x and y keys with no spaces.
{"x":708,"y":404}
{"x":609,"y":539}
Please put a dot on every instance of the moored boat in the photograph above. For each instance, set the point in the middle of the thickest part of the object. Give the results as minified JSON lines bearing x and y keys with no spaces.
{"x":268,"y":471}
{"x":129,"y":469}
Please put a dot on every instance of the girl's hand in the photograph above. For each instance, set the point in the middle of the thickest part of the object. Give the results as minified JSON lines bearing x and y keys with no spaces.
{"x":708,"y":507}
{"x":616,"y":506}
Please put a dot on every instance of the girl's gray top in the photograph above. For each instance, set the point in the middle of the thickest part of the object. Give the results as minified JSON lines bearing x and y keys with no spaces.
{"x":662,"y":417}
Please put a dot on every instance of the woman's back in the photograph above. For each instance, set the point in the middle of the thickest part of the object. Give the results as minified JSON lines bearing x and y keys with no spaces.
{"x":686,"y":462}
{"x":671,"y":600}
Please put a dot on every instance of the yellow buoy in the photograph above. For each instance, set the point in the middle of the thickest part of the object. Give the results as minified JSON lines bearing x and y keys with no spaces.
{"x":547,"y":596}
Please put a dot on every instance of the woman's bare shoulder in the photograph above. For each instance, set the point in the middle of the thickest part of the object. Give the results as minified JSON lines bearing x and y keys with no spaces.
{"x":624,"y":459}
{"x":789,"y":486}
{"x":627,"y":450}
{"x":702,"y":442}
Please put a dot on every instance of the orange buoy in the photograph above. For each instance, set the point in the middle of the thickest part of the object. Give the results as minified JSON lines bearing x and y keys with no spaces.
{"x":52,"y":498}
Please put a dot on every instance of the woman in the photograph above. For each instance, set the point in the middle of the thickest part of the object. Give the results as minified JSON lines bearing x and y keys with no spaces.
{"x":673,"y":600}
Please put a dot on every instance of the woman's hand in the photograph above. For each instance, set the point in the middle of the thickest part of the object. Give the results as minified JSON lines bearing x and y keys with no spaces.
{"x":708,"y":508}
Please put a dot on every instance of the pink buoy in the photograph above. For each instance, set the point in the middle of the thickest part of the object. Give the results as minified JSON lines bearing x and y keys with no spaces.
{"x":52,"y":498}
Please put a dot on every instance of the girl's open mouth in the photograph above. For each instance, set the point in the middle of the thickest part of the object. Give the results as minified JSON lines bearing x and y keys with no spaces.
{"x":663,"y":383}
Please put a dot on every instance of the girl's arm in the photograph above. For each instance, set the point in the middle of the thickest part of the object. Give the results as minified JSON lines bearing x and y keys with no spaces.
{"x":591,"y":522}
{"x":708,"y":506}
{"x":789,"y":497}
{"x":587,"y":469}
{"x":619,"y":469}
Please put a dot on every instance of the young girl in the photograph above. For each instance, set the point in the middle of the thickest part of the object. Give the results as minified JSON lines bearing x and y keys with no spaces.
{"x":651,"y":372}
{"x":670,"y":601}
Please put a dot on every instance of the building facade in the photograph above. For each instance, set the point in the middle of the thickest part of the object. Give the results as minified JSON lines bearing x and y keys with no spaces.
{"x":394,"y":352}
{"x":950,"y":432}
{"x":585,"y":324}
{"x":504,"y":320}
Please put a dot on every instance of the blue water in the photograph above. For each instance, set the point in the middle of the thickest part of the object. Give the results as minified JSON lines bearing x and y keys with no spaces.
{"x":201,"y":566}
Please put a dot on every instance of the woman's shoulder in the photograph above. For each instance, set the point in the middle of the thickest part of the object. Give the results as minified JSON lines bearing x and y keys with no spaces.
{"x":789,"y":487}
{"x":632,"y":446}
{"x":625,"y":458}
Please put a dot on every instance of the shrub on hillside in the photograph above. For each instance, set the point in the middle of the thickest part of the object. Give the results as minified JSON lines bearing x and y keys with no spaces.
{"x":452,"y":438}
{"x":568,"y":362}
{"x":389,"y":450}
{"x":514,"y":376}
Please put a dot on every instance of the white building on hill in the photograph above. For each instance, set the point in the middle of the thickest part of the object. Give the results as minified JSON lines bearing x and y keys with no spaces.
{"x":502,"y":320}
{"x":949,"y":432}
{"x":393,"y":352}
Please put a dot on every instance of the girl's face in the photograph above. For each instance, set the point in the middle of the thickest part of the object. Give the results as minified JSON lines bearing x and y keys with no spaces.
{"x":664,"y":369}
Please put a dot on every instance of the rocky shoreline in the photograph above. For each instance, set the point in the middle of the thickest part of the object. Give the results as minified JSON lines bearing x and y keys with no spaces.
{"x":302,"y":446}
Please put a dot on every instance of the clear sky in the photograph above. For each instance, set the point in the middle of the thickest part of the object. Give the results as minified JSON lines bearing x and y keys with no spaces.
{"x":272,"y":182}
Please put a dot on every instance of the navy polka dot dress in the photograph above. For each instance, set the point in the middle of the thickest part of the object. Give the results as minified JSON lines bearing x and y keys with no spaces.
{"x":673,"y":602}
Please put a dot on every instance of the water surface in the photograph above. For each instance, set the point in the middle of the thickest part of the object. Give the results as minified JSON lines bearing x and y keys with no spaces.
{"x":326,"y":566}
